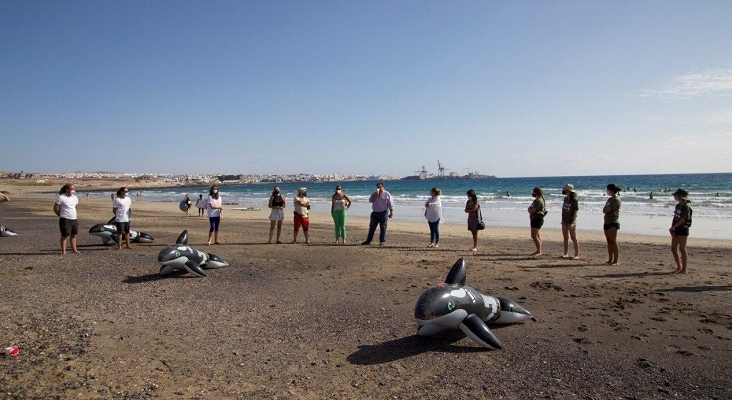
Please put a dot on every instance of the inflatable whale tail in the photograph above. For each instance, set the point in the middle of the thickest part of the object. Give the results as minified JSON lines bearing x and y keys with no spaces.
{"x":457,"y":273}
{"x":511,"y":312}
{"x":215,"y":261}
{"x":145,"y":238}
{"x":5,"y":232}
{"x":183,"y":238}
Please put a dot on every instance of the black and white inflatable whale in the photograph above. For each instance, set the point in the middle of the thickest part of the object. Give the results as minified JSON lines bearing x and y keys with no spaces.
{"x":5,"y":232}
{"x":108,"y":232}
{"x":183,"y":257}
{"x":454,"y":305}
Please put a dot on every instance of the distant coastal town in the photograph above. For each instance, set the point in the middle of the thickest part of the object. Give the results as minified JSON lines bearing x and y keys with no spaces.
{"x":205,"y":179}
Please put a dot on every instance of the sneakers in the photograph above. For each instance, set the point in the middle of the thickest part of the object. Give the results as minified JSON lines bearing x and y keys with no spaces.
{"x":366,"y":243}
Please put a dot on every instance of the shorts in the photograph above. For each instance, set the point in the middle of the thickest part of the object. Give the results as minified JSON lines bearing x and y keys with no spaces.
{"x":537,"y":223}
{"x":214,"y":222}
{"x":122,"y":227}
{"x":615,"y":225}
{"x":681,"y":231}
{"x":300,"y":220}
{"x":68,"y":227}
{"x":277,"y":214}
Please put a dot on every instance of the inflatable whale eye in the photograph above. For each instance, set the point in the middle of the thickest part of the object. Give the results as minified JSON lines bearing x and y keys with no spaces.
{"x":182,"y":257}
{"x":454,"y":305}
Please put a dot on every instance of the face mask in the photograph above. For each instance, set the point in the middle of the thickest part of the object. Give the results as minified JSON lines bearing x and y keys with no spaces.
{"x":73,"y":191}
{"x":215,"y":191}
{"x":338,"y":191}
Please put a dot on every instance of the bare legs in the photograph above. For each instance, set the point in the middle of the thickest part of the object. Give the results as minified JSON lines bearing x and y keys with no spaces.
{"x":73,"y":244}
{"x":272,"y":229}
{"x":536,"y":237}
{"x":611,"y":235}
{"x":570,"y":231}
{"x":678,"y":245}
{"x":127,"y":241}
{"x":475,"y":240}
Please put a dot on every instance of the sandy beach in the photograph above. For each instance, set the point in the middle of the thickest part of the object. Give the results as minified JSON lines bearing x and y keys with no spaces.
{"x":336,"y":321}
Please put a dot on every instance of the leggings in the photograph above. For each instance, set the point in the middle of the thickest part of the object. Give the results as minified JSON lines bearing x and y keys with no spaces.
{"x":339,"y":218}
{"x":434,"y":231}
{"x":214,"y":221}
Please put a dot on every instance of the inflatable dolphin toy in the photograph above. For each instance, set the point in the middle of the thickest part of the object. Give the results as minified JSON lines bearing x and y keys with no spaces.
{"x":183,"y":257}
{"x":108,"y":232}
{"x":5,"y":232}
{"x":454,"y":305}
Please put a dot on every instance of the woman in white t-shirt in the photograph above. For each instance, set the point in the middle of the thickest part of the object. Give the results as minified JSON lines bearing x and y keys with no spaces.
{"x":65,"y":208}
{"x":215,"y":209}
{"x":122,"y":209}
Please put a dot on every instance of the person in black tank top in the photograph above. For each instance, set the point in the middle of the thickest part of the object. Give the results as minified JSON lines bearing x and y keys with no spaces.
{"x":277,"y":215}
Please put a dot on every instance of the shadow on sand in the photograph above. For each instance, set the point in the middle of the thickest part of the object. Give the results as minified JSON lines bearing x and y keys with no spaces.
{"x":409,"y":346}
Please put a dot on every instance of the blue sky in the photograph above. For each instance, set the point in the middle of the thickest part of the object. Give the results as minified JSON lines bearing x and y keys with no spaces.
{"x":509,"y":88}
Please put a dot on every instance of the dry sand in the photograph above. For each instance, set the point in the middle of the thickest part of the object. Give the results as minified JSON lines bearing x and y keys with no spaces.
{"x":336,"y":321}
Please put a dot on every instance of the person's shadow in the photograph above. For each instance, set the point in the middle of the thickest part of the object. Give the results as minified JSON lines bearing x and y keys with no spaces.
{"x":409,"y":346}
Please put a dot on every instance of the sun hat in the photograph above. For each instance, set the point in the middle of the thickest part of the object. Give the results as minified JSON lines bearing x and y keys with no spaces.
{"x":683,"y":194}
{"x":569,"y":187}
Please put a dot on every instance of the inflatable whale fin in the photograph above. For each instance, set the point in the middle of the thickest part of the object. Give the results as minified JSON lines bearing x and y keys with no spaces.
{"x":457,"y":273}
{"x":111,"y":221}
{"x":478,"y":331}
{"x":183,"y":238}
{"x":193,"y":267}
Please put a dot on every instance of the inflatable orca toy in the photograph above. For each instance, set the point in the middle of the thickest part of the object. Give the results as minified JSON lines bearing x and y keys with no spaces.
{"x":454,"y":305}
{"x":183,"y":257}
{"x":5,"y":232}
{"x":108,"y":232}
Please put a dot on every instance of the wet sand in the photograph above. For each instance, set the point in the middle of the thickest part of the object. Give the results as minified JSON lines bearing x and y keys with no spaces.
{"x":336,"y":321}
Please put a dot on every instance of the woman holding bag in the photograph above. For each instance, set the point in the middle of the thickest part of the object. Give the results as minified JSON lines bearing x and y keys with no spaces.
{"x":475,"y":219}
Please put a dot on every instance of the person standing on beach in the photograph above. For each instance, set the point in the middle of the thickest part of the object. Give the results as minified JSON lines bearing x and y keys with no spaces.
{"x":612,"y":223}
{"x":201,"y":205}
{"x":302,"y":205}
{"x":215,"y":209}
{"x":433,"y":213}
{"x":65,"y":208}
{"x":381,"y":204}
{"x":277,"y":215}
{"x":340,"y":202}
{"x":188,"y":202}
{"x":537,"y":211}
{"x":680,"y":229}
{"x":122,"y":209}
{"x":569,"y":220}
{"x":472,"y":207}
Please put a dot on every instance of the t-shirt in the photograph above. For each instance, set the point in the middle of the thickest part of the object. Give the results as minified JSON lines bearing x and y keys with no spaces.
{"x":569,"y":210}
{"x":613,"y":217}
{"x":538,"y":205}
{"x":122,"y":207}
{"x":433,"y":213}
{"x":302,"y":210}
{"x":67,"y":205}
{"x":682,"y":211}
{"x":215,"y":203}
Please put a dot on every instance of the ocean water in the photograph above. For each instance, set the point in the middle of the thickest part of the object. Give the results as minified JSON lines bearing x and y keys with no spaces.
{"x":647,"y":206}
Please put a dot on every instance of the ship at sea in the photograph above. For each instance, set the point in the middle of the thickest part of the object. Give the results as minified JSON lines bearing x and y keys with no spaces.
{"x":423,"y":174}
